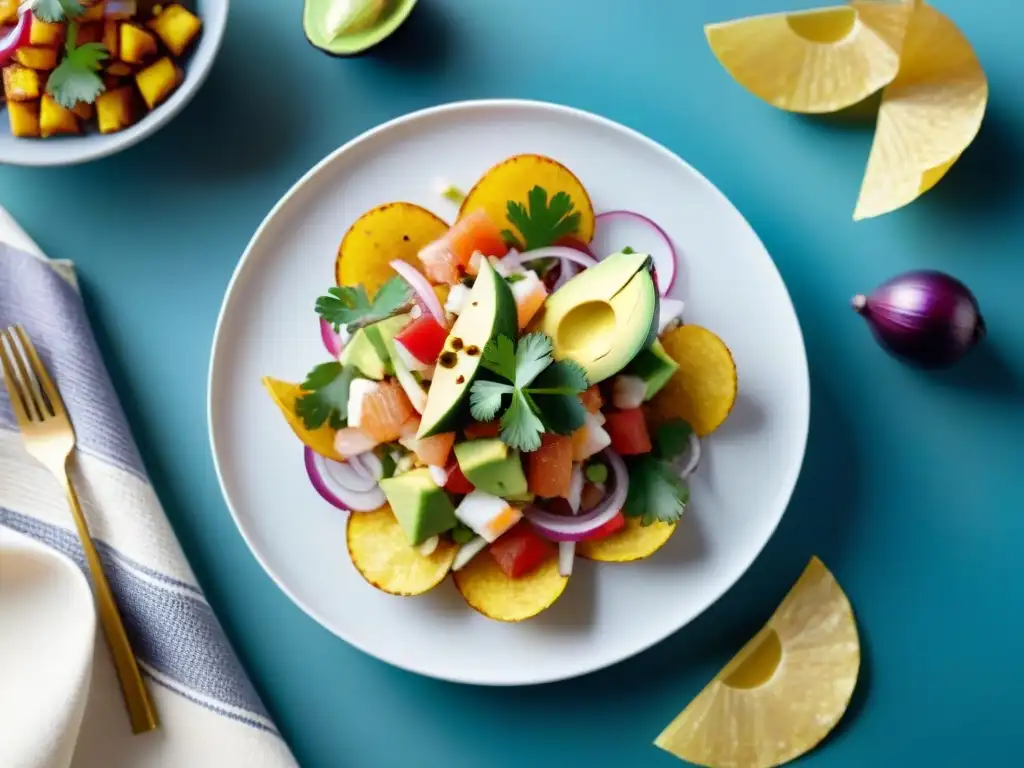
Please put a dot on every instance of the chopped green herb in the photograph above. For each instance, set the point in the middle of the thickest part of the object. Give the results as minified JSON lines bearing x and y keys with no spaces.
{"x":656,"y":494}
{"x":454,"y":194}
{"x":597,"y":473}
{"x":515,"y":277}
{"x":351,"y":307}
{"x":77,"y":78}
{"x":542,"y":223}
{"x":627,"y":249}
{"x":673,"y":438}
{"x":326,"y":398}
{"x":52,"y":11}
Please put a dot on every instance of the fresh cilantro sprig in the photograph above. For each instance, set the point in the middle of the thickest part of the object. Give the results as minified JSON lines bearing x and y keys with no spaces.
{"x":351,"y":307}
{"x":543,"y":223}
{"x":326,"y":398}
{"x":656,"y":492}
{"x":542,"y":394}
{"x":52,"y":11}
{"x":77,"y":78}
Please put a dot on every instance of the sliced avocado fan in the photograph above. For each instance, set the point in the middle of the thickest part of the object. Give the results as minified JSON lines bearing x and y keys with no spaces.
{"x":784,"y":691}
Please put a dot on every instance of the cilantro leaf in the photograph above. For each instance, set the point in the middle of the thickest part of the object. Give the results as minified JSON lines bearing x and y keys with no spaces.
{"x":565,"y":377}
{"x":326,"y":398}
{"x":562,"y":414}
{"x":543,"y":223}
{"x":485,"y":399}
{"x":533,"y":355}
{"x":77,"y":78}
{"x":52,"y":11}
{"x":656,"y":493}
{"x":520,"y":427}
{"x":673,"y":438}
{"x":351,"y":307}
{"x":500,"y":357}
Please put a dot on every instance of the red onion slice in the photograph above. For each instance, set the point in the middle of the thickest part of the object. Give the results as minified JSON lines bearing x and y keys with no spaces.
{"x":692,"y":458}
{"x":566,"y":556}
{"x":422,"y":288}
{"x":331,"y":480}
{"x":331,"y":339}
{"x":18,"y":36}
{"x":552,"y":252}
{"x":565,"y":528}
{"x":616,"y":230}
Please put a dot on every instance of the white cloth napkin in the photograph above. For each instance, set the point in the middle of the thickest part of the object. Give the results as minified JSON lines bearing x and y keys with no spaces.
{"x":211,"y":716}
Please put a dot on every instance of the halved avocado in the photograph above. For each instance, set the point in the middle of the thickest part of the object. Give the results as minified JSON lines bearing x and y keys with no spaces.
{"x":490,"y":312}
{"x":604,"y":316}
{"x":317,"y":20}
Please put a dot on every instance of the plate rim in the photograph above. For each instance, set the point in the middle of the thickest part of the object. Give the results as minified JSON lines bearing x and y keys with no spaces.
{"x":788,"y":483}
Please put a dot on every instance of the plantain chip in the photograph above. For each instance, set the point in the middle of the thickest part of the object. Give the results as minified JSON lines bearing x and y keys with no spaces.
{"x":284,"y":394}
{"x":634,"y":542}
{"x":383,"y":556}
{"x":489,"y":591}
{"x":512,"y":179}
{"x":378,"y":237}
{"x":703,"y":390}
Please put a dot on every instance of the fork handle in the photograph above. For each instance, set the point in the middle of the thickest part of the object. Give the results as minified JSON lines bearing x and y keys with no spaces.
{"x":140,"y":707}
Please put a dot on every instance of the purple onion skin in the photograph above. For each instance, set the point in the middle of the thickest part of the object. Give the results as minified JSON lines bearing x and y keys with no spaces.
{"x":927,"y":318}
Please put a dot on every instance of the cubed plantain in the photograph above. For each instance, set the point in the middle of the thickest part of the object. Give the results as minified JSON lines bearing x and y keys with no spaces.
{"x":43,"y":59}
{"x":176,"y":27}
{"x":24,"y":117}
{"x":47,"y":34}
{"x":115,"y":109}
{"x":157,"y":81}
{"x":9,"y":11}
{"x":84,"y":111}
{"x":21,"y":83}
{"x":111,"y":37}
{"x":136,"y":44}
{"x":55,"y":120}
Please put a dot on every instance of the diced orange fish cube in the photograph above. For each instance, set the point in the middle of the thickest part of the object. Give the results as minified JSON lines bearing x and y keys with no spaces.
{"x":385,"y":411}
{"x":529,"y":294}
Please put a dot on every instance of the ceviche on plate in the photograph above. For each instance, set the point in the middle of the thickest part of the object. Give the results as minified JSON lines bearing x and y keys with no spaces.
{"x":504,"y":394}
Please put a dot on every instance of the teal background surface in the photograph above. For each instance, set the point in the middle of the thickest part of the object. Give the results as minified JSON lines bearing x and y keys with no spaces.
{"x":913,"y":486}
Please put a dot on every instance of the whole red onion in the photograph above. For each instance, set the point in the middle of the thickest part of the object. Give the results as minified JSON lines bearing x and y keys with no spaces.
{"x":925,"y":317}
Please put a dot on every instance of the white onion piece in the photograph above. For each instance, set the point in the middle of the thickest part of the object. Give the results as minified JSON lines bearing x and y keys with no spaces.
{"x":427,"y":547}
{"x":468,"y":551}
{"x":628,"y":392}
{"x":422,"y":288}
{"x":566,"y":556}
{"x":692,"y":457}
{"x":370,"y":464}
{"x":332,"y":486}
{"x":565,"y":528}
{"x":457,"y":298}
{"x":438,"y":474}
{"x":616,"y":230}
{"x":575,"y":488}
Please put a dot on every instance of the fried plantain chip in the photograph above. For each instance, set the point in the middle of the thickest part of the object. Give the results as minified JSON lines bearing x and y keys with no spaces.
{"x":489,"y":591}
{"x":634,"y":542}
{"x":284,"y":394}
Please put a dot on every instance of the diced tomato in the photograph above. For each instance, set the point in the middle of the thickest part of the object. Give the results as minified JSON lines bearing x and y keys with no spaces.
{"x":549,"y":468}
{"x":592,"y":399}
{"x":614,"y":525}
{"x":475,"y":232}
{"x":424,"y":338}
{"x":520,"y":550}
{"x":478,"y":430}
{"x":457,"y":482}
{"x":628,"y":431}
{"x":385,"y":411}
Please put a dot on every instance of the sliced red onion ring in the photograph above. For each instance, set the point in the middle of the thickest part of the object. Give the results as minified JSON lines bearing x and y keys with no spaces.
{"x":565,"y":528}
{"x":566,"y":556}
{"x":616,"y":230}
{"x":331,"y":339}
{"x":552,"y":252}
{"x":575,"y":488}
{"x":368,"y":465}
{"x":331,"y":480}
{"x":18,"y":36}
{"x":692,"y":458}
{"x":422,"y":288}
{"x":566,"y":272}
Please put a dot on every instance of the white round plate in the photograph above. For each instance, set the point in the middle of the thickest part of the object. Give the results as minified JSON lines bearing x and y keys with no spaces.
{"x":608,"y":612}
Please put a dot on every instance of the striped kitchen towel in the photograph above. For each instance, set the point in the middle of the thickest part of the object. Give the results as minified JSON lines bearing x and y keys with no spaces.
{"x":211,"y":716}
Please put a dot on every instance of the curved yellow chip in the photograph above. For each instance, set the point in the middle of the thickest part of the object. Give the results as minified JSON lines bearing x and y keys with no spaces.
{"x":634,"y":542}
{"x":284,"y":394}
{"x":383,"y":556}
{"x":388,"y":232}
{"x":703,"y":390}
{"x":814,"y":61}
{"x":512,"y":179}
{"x":489,"y":591}
{"x":928,"y":117}
{"x":784,"y":692}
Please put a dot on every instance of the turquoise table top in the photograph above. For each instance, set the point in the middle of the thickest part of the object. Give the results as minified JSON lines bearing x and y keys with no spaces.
{"x":912,"y":488}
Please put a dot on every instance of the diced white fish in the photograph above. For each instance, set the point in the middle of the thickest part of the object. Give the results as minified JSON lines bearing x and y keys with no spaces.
{"x":488,"y":516}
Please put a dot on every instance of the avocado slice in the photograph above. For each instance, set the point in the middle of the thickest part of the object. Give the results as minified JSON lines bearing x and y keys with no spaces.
{"x":375,"y":21}
{"x":654,"y":366}
{"x":368,"y":348}
{"x":490,"y":311}
{"x":605,"y":315}
{"x":421,"y":507}
{"x":492,"y":467}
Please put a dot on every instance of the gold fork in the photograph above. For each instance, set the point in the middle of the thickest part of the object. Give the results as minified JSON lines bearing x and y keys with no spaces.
{"x":50,"y":438}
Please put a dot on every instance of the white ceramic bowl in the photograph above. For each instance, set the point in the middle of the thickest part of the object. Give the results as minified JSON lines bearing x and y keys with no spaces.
{"x":71,"y":150}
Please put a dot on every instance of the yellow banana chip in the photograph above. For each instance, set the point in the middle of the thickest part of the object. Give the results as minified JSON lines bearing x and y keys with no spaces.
{"x":378,"y":237}
{"x":512,"y":179}
{"x":383,"y":556}
{"x":929,"y":114}
{"x":784,"y":692}
{"x":634,"y":542}
{"x":703,"y":390}
{"x":284,"y":394}
{"x":489,"y":591}
{"x":814,"y":61}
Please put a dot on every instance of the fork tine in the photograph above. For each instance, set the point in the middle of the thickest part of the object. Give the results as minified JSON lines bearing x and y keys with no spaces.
{"x":42,"y":376}
{"x":37,"y":406}
{"x":12,"y":383}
